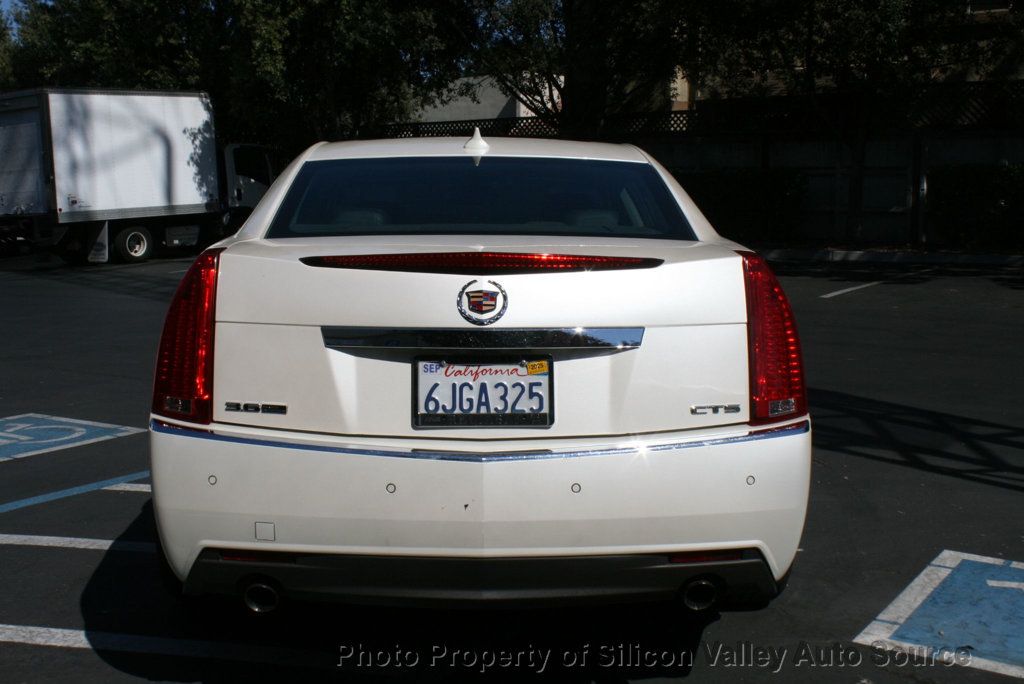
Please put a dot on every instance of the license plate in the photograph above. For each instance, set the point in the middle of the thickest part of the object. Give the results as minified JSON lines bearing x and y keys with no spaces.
{"x":455,"y":394}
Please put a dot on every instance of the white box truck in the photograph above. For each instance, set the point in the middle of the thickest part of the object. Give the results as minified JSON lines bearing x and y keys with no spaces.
{"x":101,"y":173}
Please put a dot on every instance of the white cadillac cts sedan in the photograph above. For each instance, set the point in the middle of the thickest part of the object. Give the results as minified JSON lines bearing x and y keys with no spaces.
{"x":504,"y":370}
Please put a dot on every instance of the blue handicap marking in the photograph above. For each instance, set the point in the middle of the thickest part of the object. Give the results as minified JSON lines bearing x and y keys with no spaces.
{"x":35,"y":433}
{"x":961,"y":604}
{"x":978,"y":604}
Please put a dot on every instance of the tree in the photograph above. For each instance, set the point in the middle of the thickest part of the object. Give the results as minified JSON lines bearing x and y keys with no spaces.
{"x":579,"y":62}
{"x":333,"y":69}
{"x":111,"y":43}
{"x":815,"y":46}
{"x":6,"y":46}
{"x":852,"y":63}
{"x":285,"y":73}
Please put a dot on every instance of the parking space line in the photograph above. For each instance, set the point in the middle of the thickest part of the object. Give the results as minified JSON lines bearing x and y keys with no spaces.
{"x":872,"y":284}
{"x":76,"y":543}
{"x":129,"y":487}
{"x":850,"y":289}
{"x":72,"y":491}
{"x":137,"y":643}
{"x":77,"y":421}
{"x":912,"y":597}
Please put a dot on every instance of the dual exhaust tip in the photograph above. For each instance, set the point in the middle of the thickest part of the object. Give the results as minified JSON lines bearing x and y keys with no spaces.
{"x":262,"y":597}
{"x":699,"y":594}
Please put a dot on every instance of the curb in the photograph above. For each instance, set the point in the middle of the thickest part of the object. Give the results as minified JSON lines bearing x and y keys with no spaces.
{"x":877,"y":257}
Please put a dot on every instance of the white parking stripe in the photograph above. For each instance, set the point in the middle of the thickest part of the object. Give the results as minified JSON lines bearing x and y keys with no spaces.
{"x":850,"y":289}
{"x":914,"y":595}
{"x":951,"y":559}
{"x":129,"y":487}
{"x":877,"y":282}
{"x":76,"y":543}
{"x":135,"y":643}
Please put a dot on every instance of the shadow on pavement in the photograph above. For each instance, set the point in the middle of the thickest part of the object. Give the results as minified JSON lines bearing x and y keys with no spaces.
{"x":966,"y":448}
{"x":898,"y":274}
{"x":149,"y":280}
{"x":305,"y":642}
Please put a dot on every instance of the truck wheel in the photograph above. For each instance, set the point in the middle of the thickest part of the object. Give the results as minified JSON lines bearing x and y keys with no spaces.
{"x":133,"y":244}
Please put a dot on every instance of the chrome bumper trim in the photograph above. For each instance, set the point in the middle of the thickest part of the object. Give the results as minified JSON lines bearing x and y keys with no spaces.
{"x":753,"y":436}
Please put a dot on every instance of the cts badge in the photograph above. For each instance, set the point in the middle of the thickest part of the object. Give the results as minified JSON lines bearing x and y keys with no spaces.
{"x":714,"y":409}
{"x":482,"y":302}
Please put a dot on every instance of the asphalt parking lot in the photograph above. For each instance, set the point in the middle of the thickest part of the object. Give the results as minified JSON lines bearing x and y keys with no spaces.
{"x":915,"y":378}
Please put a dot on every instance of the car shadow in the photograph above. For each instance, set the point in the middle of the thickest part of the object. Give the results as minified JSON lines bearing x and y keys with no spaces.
{"x":135,"y":626}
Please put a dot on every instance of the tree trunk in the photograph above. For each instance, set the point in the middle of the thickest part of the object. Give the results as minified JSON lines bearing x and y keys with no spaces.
{"x":587,"y":70}
{"x":857,"y":142}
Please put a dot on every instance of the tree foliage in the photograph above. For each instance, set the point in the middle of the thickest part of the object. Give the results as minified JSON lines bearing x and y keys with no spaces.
{"x":584,"y":61}
{"x":6,"y":48}
{"x":331,"y":69}
{"x":286,"y":72}
{"x":813,"y":46}
{"x":579,"y":61}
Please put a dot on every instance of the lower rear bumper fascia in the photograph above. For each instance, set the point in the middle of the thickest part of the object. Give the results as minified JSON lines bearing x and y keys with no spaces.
{"x":469,"y":582}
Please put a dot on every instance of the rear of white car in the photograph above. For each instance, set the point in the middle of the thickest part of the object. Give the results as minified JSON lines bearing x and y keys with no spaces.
{"x":528,"y":371}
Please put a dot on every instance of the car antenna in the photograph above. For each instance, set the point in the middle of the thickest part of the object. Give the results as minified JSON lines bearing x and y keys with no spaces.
{"x":476,"y":146}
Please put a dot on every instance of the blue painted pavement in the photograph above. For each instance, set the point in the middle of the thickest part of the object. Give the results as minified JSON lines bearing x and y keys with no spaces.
{"x":980,"y":605}
{"x":35,"y":433}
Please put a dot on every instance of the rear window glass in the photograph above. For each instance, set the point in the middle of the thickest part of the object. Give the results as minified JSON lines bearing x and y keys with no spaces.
{"x":498,"y":195}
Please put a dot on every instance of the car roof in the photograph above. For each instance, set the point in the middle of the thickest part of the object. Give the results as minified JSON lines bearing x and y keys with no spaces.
{"x":498,"y":147}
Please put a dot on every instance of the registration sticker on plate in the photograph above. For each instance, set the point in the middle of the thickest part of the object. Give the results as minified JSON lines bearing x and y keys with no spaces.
{"x":455,"y":394}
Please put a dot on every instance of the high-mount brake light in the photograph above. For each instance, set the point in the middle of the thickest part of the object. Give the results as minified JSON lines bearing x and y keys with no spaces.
{"x":480,"y":263}
{"x":183,"y":385}
{"x":777,"y":386}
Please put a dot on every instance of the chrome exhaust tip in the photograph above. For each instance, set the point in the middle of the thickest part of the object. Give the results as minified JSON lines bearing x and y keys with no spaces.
{"x":260,"y":597}
{"x":699,"y":594}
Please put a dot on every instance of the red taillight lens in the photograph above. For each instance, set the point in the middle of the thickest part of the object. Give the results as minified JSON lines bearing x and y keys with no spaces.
{"x":480,"y":263}
{"x":776,"y":368}
{"x":183,"y":387}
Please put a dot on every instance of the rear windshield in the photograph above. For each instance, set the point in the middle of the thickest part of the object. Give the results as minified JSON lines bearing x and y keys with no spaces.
{"x":497,"y":196}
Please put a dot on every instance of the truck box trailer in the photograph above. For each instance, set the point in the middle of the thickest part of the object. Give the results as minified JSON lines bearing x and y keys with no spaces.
{"x":93,"y":171}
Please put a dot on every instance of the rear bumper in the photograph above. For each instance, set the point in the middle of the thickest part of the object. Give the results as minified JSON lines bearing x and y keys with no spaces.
{"x":451,"y":581}
{"x":589,"y":522}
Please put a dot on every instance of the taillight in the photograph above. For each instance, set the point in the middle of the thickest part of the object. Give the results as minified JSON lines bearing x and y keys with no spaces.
{"x":183,"y":387}
{"x":479,"y":263}
{"x":777,"y":389}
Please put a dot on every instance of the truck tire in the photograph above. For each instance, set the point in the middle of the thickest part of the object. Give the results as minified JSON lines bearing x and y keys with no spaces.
{"x":133,"y":244}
